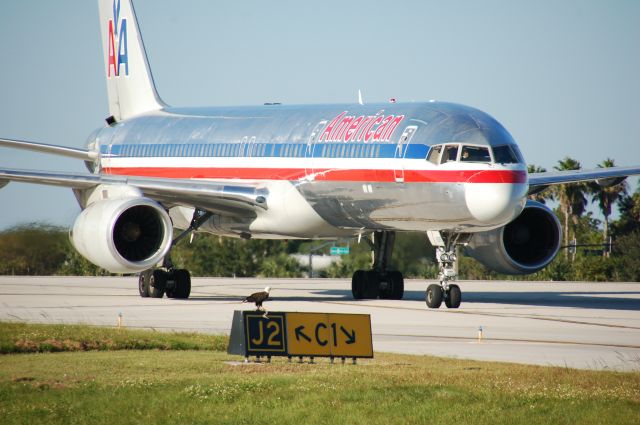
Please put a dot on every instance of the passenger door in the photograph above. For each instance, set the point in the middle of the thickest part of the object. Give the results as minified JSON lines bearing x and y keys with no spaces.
{"x":309,"y":151}
{"x":401,"y":151}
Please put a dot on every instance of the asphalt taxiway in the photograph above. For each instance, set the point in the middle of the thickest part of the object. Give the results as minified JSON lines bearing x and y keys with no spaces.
{"x":577,"y":325}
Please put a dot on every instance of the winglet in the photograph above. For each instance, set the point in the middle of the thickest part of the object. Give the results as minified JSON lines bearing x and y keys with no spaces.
{"x":129,"y":81}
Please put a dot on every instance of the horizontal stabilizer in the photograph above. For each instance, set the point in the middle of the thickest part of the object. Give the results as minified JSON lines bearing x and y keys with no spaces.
{"x":51,"y":149}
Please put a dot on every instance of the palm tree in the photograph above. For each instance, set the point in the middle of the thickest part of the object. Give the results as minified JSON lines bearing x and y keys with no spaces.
{"x":544,"y":194}
{"x":629,"y":220}
{"x":634,"y":211}
{"x":571,"y":198}
{"x":606,"y":197}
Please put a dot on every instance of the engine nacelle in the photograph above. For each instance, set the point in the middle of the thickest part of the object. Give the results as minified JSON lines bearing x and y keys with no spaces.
{"x":124,"y":235}
{"x":527,"y":244}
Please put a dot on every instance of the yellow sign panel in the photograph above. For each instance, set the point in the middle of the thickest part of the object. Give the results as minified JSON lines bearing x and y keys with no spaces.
{"x":354,"y":335}
{"x":308,"y":334}
{"x":329,"y":334}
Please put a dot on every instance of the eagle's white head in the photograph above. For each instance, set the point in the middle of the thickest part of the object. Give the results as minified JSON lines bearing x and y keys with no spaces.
{"x":267,"y":289}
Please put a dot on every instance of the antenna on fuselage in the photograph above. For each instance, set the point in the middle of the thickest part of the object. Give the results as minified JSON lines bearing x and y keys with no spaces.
{"x":360,"y":97}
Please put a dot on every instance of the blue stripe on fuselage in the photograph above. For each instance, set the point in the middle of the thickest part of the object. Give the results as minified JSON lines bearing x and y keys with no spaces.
{"x":267,"y":150}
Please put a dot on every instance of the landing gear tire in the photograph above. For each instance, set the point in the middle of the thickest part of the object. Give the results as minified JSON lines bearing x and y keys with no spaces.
{"x":372,"y":286}
{"x":358,"y":284}
{"x":182,"y":279}
{"x":157,"y":283}
{"x":433,"y":296}
{"x":396,"y":283}
{"x":143,"y":283}
{"x":392,"y":286}
{"x":365,"y":284}
{"x":453,"y":297}
{"x":386,"y":284}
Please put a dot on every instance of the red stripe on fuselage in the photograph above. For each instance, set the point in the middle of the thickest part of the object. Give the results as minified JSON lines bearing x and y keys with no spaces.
{"x":294,"y":174}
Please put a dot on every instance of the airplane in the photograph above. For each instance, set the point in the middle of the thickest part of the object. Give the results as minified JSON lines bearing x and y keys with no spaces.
{"x":276,"y":171}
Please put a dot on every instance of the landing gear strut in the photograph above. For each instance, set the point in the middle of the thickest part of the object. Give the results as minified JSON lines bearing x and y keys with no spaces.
{"x":379,"y":281}
{"x":176,"y":283}
{"x":447,"y":260}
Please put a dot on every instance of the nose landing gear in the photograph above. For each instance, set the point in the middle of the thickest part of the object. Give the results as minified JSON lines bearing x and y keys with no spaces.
{"x":447,"y":260}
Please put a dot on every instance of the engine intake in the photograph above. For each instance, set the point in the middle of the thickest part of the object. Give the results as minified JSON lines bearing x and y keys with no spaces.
{"x":526,"y":245}
{"x":123,"y":235}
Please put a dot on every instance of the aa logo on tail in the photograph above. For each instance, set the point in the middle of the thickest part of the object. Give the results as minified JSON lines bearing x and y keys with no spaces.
{"x":117,"y":37}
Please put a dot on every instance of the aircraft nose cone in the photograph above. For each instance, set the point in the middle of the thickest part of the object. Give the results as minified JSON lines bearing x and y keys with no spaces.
{"x":495,"y":203}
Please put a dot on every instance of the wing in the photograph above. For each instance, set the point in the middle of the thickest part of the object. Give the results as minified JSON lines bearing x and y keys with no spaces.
{"x":604,"y":176}
{"x":209,"y":195}
{"x":262,"y":297}
{"x":253,"y":298}
{"x":257,"y":297}
{"x":233,"y":198}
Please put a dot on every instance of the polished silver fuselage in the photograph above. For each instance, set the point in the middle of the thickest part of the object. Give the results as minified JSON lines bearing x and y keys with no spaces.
{"x":331,"y":170}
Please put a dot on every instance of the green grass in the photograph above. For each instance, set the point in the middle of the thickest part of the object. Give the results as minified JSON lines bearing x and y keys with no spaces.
{"x":24,"y":338}
{"x":168,"y":386}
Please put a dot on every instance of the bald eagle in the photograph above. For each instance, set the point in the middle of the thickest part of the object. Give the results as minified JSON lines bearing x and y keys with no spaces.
{"x":258,"y":298}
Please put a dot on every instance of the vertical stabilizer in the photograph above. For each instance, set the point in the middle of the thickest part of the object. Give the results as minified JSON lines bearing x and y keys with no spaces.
{"x":129,"y":81}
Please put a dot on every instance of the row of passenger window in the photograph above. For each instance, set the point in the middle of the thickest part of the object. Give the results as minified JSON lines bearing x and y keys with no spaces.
{"x":341,"y":150}
{"x":189,"y":150}
{"x":350,"y":151}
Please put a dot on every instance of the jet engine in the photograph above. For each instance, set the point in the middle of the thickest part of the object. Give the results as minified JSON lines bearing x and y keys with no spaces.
{"x":125,"y":235}
{"x":527,"y":244}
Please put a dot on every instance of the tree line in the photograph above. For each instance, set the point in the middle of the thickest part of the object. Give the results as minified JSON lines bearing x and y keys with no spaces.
{"x":41,"y":249}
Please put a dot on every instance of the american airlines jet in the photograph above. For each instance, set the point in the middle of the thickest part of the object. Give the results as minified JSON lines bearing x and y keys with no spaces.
{"x":311,"y":171}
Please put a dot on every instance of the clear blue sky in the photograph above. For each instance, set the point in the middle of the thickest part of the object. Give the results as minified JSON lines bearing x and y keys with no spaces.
{"x":563,"y":77}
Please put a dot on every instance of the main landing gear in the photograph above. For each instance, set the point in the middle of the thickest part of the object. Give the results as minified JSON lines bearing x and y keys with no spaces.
{"x":379,"y":281}
{"x":176,"y":283}
{"x":154,"y":283}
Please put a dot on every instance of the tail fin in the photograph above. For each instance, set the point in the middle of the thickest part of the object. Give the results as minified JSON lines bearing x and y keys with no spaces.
{"x":129,"y":81}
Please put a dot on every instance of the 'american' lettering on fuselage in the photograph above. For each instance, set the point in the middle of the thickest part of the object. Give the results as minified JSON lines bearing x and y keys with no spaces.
{"x":349,"y":128}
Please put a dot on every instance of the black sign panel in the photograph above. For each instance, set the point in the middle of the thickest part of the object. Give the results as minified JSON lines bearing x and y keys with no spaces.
{"x":265,"y":336}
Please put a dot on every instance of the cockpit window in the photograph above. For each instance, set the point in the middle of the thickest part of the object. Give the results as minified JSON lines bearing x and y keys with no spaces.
{"x":450,"y":153}
{"x":505,"y":155}
{"x":434,"y":154}
{"x":475,"y":154}
{"x":516,"y":150}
